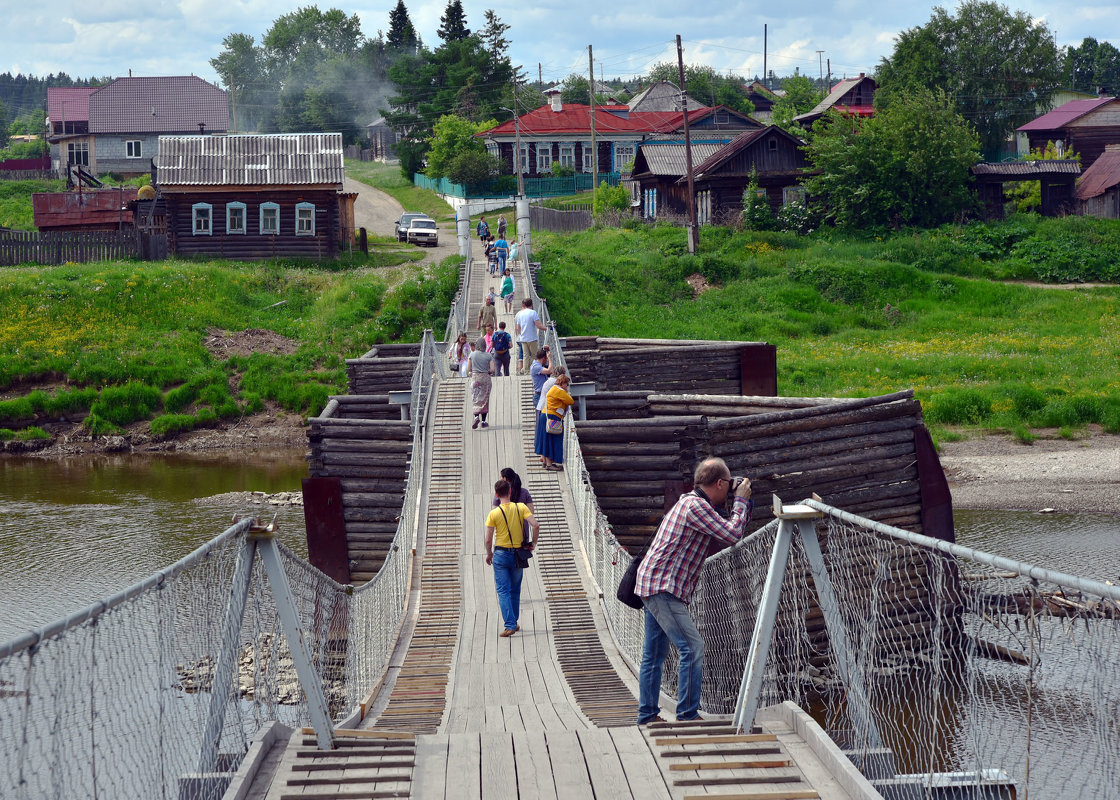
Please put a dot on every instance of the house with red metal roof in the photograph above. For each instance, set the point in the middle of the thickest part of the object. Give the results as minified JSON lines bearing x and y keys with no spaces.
{"x":116,"y":127}
{"x":1098,"y":192}
{"x":559,"y":134}
{"x":852,"y":96}
{"x":1082,"y":126}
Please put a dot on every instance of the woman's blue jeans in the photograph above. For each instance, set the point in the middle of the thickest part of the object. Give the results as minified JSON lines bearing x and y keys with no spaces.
{"x":507,"y":580}
{"x":667,"y":620}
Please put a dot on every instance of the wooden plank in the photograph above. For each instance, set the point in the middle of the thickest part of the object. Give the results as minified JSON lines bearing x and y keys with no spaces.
{"x":642,"y":771}
{"x":767,"y":794}
{"x":568,"y":766}
{"x":608,"y":777}
{"x":534,"y":769}
{"x":464,"y":766}
{"x":703,"y":740}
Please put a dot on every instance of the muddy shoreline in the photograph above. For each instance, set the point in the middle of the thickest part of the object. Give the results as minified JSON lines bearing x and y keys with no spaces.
{"x":986,"y":472}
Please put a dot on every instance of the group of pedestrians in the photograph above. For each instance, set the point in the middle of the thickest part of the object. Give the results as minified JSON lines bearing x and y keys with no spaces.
{"x":497,"y":250}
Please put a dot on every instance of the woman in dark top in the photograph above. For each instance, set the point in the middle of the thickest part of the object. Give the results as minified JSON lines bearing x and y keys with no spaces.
{"x":517,"y":494}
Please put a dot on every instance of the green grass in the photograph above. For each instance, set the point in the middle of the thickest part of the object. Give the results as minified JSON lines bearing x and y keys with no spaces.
{"x":15,"y":201}
{"x":126,"y":339}
{"x":867,"y":315}
{"x":388,"y":178}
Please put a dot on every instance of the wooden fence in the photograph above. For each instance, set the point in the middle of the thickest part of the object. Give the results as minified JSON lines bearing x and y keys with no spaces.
{"x":551,"y":219}
{"x":31,"y":247}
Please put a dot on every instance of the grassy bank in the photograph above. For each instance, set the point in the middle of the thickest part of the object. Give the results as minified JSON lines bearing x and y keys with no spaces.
{"x":15,"y":201}
{"x":938,"y":311}
{"x":127,"y":341}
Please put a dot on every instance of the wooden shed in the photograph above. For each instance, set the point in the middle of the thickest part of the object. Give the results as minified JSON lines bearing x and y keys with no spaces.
{"x":1082,"y":126}
{"x":1056,"y":178}
{"x":1098,"y":192}
{"x":252,"y":196}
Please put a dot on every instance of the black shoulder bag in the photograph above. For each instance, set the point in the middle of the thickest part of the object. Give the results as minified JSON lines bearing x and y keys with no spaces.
{"x":625,"y":592}
{"x":522,"y":554}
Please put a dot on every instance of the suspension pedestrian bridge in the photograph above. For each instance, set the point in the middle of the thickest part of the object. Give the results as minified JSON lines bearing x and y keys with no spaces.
{"x":852,"y":653}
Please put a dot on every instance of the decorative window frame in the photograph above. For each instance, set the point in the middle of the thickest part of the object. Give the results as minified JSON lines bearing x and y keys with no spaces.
{"x":588,"y":160}
{"x":623,"y":155}
{"x":544,"y":157}
{"x":269,"y":207}
{"x":568,"y":154}
{"x":200,"y":212}
{"x":524,"y":159}
{"x":301,"y":218}
{"x":133,"y":148}
{"x":230,"y":207}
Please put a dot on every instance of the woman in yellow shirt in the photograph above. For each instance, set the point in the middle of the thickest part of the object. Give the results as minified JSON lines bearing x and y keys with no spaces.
{"x":503,"y":536}
{"x":556,"y":404}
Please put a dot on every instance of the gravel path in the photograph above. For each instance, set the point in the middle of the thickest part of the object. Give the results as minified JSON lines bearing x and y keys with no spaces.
{"x":378,"y":212}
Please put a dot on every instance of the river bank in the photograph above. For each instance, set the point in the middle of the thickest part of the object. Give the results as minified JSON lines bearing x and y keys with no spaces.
{"x":984,"y":471}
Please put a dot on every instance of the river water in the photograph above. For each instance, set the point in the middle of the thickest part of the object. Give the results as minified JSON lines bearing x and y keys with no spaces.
{"x":78,"y":530}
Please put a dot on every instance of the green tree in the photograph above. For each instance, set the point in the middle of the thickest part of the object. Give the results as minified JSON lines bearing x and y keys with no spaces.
{"x":800,"y":97}
{"x":402,"y":33}
{"x":452,"y":136}
{"x":998,"y":66}
{"x":907,"y":165}
{"x":494,"y":36}
{"x":3,"y":125}
{"x":1093,"y":66}
{"x":240,"y":68}
{"x":757,"y":214}
{"x":453,"y":23}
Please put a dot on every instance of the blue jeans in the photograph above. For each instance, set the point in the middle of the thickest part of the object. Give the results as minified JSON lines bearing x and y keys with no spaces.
{"x":667,"y":620}
{"x":507,"y":579}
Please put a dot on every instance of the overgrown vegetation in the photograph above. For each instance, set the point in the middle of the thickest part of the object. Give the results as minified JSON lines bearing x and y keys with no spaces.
{"x":125,"y":342}
{"x":938,"y":311}
{"x":15,"y":201}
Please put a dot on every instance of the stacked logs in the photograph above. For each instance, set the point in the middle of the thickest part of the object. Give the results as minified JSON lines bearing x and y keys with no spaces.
{"x":635,"y":464}
{"x":386,"y":368}
{"x":859,"y":455}
{"x":370,"y":457}
{"x":666,"y":365}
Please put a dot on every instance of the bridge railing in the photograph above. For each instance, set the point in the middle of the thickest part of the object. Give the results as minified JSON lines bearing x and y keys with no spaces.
{"x":113,"y":701}
{"x":971,"y":663}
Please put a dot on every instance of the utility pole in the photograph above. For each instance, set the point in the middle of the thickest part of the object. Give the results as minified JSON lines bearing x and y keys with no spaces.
{"x":594,"y":146}
{"x":820,"y":67}
{"x":693,"y":230}
{"x":828,"y":76}
{"x":765,"y":74}
{"x":517,"y":144}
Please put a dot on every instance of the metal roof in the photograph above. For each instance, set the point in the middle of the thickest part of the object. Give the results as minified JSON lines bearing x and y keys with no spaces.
{"x":834,"y":97}
{"x":275,"y":159}
{"x":1034,"y":169}
{"x":69,"y":102}
{"x":1102,"y":175}
{"x":668,"y":158}
{"x":174,"y":104}
{"x":661,"y":96}
{"x":1065,"y":114}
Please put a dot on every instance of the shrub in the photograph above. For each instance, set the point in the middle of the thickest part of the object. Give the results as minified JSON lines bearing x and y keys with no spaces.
{"x":796,"y":218}
{"x":956,"y":406}
{"x":121,"y":405}
{"x":170,"y":424}
{"x":757,"y":215}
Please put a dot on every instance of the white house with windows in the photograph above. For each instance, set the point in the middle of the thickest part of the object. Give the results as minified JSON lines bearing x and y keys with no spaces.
{"x":559,"y":135}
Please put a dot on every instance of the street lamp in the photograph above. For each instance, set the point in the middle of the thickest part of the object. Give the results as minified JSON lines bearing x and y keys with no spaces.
{"x":517,"y":150}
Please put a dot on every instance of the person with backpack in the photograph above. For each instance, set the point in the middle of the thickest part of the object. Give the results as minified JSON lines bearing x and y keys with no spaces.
{"x":501,"y":344}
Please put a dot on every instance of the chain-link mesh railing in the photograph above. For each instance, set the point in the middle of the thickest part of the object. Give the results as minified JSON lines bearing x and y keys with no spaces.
{"x":113,"y":701}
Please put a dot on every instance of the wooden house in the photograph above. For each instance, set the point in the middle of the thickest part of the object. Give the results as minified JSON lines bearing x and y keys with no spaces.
{"x":772,"y":154}
{"x":1082,"y":126}
{"x":852,"y":96}
{"x":661,"y":96}
{"x":1098,"y":192}
{"x":252,"y":196}
{"x":721,"y":172}
{"x":763,"y":100}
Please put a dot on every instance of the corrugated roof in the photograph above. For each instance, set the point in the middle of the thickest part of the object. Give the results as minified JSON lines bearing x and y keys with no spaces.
{"x":275,"y":159}
{"x":668,"y":158}
{"x":1032,"y":168}
{"x":1102,"y":175}
{"x":76,"y":100}
{"x":174,"y":104}
{"x":1065,"y":114}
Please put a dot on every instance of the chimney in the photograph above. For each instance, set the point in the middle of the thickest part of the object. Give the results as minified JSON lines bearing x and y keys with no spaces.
{"x":553,"y":96}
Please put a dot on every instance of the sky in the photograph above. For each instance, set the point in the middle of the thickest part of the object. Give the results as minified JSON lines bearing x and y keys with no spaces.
{"x":178,"y":37}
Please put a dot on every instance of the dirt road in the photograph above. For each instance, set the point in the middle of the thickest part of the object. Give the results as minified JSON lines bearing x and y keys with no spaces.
{"x":377,"y":212}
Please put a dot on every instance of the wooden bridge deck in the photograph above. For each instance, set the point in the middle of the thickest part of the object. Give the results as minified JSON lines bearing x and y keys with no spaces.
{"x":546,"y":713}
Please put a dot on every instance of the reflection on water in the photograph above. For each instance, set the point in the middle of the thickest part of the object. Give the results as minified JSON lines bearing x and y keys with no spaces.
{"x":78,"y":530}
{"x":1086,"y":545}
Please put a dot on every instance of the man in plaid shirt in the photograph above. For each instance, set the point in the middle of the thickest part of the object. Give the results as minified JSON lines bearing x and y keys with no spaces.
{"x":667,"y":577}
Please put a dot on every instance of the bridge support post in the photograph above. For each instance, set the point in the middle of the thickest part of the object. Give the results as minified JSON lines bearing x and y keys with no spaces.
{"x":261,"y":539}
{"x":799,"y":519}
